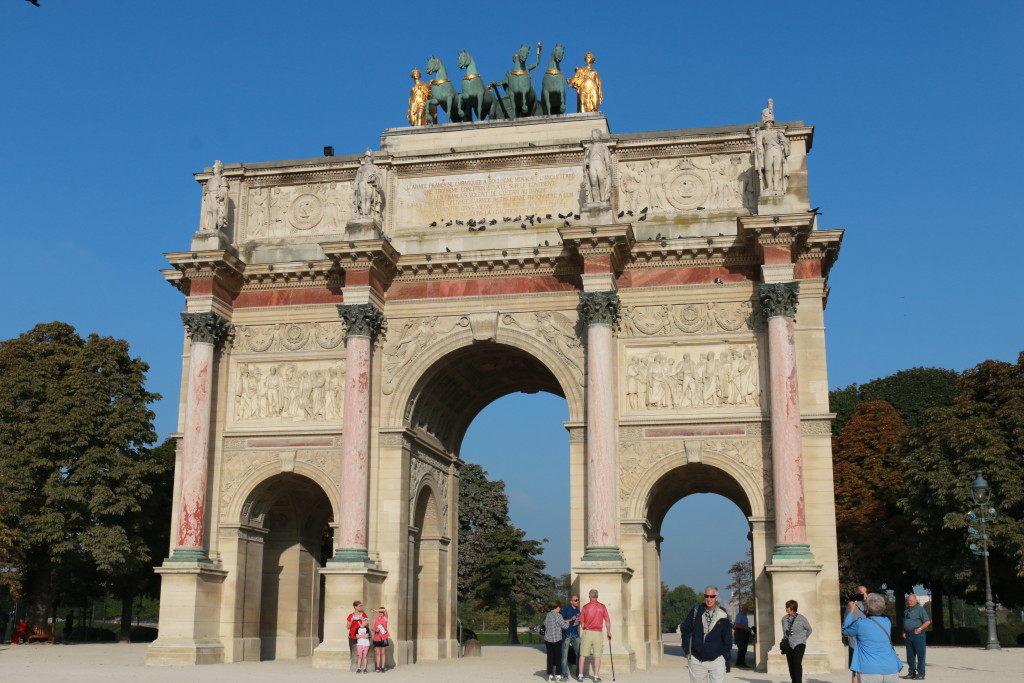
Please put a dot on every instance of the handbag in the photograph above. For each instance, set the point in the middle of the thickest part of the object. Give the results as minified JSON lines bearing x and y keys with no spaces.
{"x":888,"y":639}
{"x":784,"y":646}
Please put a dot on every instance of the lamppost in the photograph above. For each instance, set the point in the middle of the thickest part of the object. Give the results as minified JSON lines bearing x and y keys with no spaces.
{"x":982,"y":492}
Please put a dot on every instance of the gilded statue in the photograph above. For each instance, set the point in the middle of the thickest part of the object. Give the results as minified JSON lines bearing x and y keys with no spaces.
{"x":771,"y":150}
{"x":419,"y":95}
{"x":587,"y":84}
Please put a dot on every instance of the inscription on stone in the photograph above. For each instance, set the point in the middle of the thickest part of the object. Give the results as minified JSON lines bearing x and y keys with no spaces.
{"x":491,"y":196}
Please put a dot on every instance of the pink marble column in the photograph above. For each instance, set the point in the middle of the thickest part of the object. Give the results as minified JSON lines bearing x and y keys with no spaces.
{"x":206,"y":331}
{"x":600,"y":311}
{"x":779,"y":301}
{"x":362,"y":323}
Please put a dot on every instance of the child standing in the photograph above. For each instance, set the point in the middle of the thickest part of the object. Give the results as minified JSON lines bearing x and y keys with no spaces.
{"x":380,"y":639}
{"x":362,"y":644}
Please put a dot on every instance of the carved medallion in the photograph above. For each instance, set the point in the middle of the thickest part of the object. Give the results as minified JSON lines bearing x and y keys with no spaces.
{"x":306,"y":211}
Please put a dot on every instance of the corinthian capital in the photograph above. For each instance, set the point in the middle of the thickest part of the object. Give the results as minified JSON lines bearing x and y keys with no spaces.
{"x":205,"y":328}
{"x":779,"y":298}
{"x":361,"y":320}
{"x":599,"y":308}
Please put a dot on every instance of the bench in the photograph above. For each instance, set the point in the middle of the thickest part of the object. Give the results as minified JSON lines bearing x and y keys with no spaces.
{"x":43,"y":632}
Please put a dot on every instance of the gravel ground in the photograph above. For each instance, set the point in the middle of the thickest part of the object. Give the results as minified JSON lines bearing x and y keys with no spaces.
{"x":113,"y":662}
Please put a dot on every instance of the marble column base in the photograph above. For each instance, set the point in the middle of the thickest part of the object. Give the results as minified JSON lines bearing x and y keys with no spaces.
{"x":792,"y":551}
{"x":191,"y":555}
{"x":600,"y":553}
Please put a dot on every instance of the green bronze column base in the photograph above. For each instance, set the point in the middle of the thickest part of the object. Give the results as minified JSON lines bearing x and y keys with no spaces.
{"x":792,"y":551}
{"x":189,"y":555}
{"x":602,"y":553}
{"x":359,"y":555}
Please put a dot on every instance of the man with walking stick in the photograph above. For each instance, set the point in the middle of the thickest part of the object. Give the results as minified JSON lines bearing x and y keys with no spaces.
{"x":593,"y":617}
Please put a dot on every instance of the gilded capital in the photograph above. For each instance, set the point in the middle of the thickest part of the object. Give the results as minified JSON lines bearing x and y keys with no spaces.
{"x":361,"y":320}
{"x":599,"y":308}
{"x":778,"y":298}
{"x":205,"y":328}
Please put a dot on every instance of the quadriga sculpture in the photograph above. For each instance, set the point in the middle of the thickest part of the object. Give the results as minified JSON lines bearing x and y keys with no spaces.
{"x":442,"y":93}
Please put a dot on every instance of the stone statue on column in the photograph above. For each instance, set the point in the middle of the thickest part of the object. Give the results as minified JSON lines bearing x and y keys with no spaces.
{"x":369,"y":201}
{"x":597,"y":174}
{"x":771,"y":151}
{"x":214,"y":216}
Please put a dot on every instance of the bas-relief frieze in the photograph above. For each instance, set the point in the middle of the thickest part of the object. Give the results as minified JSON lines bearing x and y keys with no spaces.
{"x":238,"y":465}
{"x":718,"y":182}
{"x":687,"y":318}
{"x":446,"y":203}
{"x":324,"y":336}
{"x":556,"y":330}
{"x":415,"y":335}
{"x":697,"y":376}
{"x":297,"y":210}
{"x":286,"y":392}
{"x":419,"y":472}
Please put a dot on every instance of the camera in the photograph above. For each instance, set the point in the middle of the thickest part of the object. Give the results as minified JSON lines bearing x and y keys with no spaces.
{"x":856,"y":597}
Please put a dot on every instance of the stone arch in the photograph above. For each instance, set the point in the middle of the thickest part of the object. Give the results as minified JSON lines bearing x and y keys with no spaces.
{"x":282,"y":541}
{"x":243,"y":508}
{"x":568,"y":378}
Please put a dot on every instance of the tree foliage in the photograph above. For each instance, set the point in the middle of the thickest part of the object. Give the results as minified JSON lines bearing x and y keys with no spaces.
{"x":867,"y":468}
{"x":497,"y":564}
{"x":983,"y":430}
{"x":675,"y":605}
{"x":911,"y":392}
{"x":74,"y":433}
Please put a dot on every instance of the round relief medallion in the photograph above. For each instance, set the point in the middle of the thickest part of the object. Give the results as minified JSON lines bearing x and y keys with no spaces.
{"x":687,"y":190}
{"x":306,"y":211}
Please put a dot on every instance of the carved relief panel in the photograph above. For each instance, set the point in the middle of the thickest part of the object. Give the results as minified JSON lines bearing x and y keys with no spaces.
{"x":691,"y":377}
{"x":309,"y":392}
{"x":297,"y":210}
{"x":289,"y":337}
{"x":719,"y":182}
{"x":709,"y":318}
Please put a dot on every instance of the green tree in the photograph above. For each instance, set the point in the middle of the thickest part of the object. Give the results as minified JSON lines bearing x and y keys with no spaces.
{"x":982,"y":431}
{"x":676,"y":605}
{"x":483,"y":508}
{"x":74,"y":430}
{"x":868,"y":473}
{"x":911,"y":392}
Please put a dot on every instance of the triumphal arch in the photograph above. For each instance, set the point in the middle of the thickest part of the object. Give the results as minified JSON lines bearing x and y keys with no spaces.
{"x":346,"y":318}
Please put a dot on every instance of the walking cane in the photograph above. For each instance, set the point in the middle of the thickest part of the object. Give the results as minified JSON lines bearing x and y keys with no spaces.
{"x":611,"y":657}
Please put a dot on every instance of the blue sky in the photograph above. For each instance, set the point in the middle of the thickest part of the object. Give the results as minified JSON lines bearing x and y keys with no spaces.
{"x":107,"y":108}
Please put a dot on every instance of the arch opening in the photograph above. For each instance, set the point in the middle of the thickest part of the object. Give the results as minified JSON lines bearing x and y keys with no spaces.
{"x":289,"y":518}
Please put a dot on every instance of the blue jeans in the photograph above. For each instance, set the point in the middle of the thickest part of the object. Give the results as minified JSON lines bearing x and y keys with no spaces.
{"x":915,"y":653}
{"x":575,"y":643}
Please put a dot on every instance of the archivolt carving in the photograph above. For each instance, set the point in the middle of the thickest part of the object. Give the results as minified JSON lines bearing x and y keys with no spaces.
{"x":289,"y":337}
{"x":687,"y":318}
{"x":746,"y":459}
{"x":693,"y":377}
{"x":421,"y":473}
{"x":299,"y":391}
{"x":555,"y":329}
{"x":416,"y":335}
{"x":241,"y":469}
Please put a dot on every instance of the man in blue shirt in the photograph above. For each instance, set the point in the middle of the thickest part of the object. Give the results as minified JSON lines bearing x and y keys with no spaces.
{"x":742,"y":630}
{"x":571,"y":635}
{"x":915,"y":621}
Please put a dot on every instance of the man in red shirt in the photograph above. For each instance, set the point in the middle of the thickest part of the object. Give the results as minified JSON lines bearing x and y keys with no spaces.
{"x":593,"y":617}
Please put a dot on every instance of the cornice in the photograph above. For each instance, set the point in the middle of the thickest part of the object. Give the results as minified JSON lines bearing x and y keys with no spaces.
{"x":377,"y":256}
{"x":822,"y":245}
{"x":189,"y":266}
{"x":296,"y":275}
{"x":461,"y":265}
{"x":690,"y":252}
{"x":616,"y":241}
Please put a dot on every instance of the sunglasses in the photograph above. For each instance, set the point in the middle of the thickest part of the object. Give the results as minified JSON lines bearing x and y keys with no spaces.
{"x":710,"y":596}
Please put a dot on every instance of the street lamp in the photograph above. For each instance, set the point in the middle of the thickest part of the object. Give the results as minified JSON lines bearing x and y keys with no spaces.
{"x":982,"y":492}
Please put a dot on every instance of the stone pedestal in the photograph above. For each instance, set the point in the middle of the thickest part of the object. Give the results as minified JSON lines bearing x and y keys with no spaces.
{"x":189,"y":631}
{"x":344,"y":582}
{"x":363,"y":228}
{"x":210,"y":240}
{"x":796,"y":580}
{"x":775,"y":205}
{"x":597,"y":213}
{"x":611,"y":579}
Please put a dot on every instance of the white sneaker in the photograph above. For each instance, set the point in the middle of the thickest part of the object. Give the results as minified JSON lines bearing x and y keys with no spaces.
{"x":551,"y":679}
